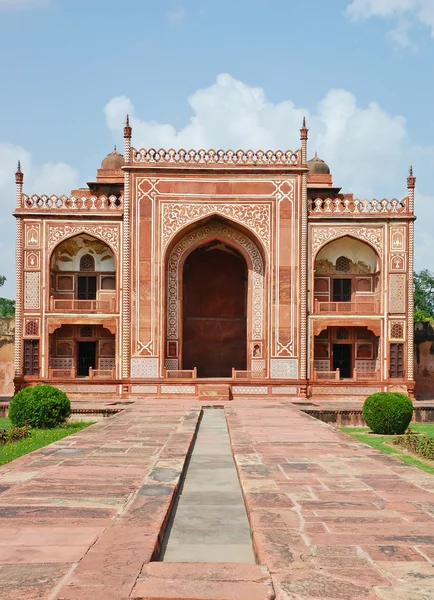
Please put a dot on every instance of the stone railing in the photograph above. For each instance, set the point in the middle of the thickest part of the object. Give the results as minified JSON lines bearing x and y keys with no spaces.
{"x":342,"y":206}
{"x":366,"y":307}
{"x":181,"y":374}
{"x":247,"y":374}
{"x":218,"y":158}
{"x":61,"y":373}
{"x":72,"y":203}
{"x":373,"y":375}
{"x":326,"y":375}
{"x":72,"y":373}
{"x":70,"y":305}
{"x":102,"y":373}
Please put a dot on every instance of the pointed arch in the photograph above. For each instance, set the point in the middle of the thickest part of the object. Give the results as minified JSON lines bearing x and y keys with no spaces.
{"x":184,"y":244}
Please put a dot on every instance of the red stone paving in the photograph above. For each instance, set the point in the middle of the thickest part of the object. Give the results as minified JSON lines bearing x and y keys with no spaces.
{"x":331,"y":518}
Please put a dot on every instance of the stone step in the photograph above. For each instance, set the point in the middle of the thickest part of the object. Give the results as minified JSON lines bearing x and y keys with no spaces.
{"x":214,"y":391}
{"x":203,"y":581}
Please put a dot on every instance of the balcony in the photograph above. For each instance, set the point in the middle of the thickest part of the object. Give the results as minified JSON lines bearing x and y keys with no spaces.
{"x":367,"y":306}
{"x":71,"y":305}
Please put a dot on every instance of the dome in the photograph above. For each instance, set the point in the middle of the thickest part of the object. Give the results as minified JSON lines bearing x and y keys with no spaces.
{"x":318,"y":166}
{"x":113,"y":161}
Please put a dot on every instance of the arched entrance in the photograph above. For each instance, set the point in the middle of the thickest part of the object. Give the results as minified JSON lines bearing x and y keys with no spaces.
{"x":215,"y":279}
{"x":238,"y":257}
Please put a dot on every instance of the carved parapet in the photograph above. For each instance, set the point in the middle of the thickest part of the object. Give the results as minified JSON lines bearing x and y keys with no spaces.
{"x":353,"y":206}
{"x":72,"y":203}
{"x":217,"y":158}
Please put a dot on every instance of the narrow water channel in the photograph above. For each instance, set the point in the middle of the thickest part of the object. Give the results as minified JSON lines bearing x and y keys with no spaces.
{"x":210,"y":523}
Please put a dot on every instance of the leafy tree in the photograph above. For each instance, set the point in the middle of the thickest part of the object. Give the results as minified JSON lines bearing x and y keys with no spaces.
{"x":7,"y":307}
{"x":424,"y":296}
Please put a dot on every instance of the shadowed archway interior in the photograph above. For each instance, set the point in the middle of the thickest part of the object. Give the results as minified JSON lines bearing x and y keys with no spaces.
{"x":215,"y":281}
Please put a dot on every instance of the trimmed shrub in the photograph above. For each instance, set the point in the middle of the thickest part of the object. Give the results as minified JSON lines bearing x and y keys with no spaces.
{"x":41,"y":406}
{"x":387,"y":412}
{"x":13,"y":434}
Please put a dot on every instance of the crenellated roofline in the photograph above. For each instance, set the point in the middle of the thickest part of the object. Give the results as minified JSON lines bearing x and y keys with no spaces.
{"x":216,"y":158}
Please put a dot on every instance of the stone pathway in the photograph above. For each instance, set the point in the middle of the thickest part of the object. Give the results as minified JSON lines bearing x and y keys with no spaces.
{"x":330,"y":517}
{"x":210,"y":523}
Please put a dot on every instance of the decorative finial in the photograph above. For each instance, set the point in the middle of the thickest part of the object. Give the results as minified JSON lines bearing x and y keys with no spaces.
{"x":316,"y":154}
{"x":127,"y":129}
{"x":411,"y":179}
{"x":19,"y":175}
{"x":304,"y":130}
{"x":114,"y":148}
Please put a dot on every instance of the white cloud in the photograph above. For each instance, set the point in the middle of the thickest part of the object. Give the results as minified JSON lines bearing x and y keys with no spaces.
{"x":49,"y":178}
{"x":403,"y":13}
{"x":176,"y":15}
{"x":18,"y":4}
{"x":362,"y":144}
{"x":367,"y":148}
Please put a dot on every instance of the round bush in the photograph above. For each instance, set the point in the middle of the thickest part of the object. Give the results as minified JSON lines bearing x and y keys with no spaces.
{"x":41,"y":406}
{"x":388,"y":412}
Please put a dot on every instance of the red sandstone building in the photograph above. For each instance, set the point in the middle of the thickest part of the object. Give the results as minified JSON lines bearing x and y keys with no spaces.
{"x":214,"y":274}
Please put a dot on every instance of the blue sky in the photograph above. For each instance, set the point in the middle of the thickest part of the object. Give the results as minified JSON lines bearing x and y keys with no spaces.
{"x":233,"y":73}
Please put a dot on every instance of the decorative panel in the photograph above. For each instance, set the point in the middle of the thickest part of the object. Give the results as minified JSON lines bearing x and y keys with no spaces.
{"x":32,"y":235}
{"x":62,"y":363}
{"x":258,"y":366}
{"x":323,"y":235}
{"x":287,"y":390}
{"x":144,"y":389}
{"x":31,"y":292}
{"x":106,"y":364}
{"x":397,"y":238}
{"x":397,"y":293}
{"x":255,"y":216}
{"x":98,"y":388}
{"x":171,"y":364}
{"x":365,"y":366}
{"x":398,"y":261}
{"x":146,"y":368}
{"x":346,"y":390}
{"x":178,"y":389}
{"x":250,"y":389}
{"x":397,"y":330}
{"x":31,"y":327}
{"x":31,"y":260}
{"x":321,"y":365}
{"x":283,"y":368}
{"x":106,"y":233}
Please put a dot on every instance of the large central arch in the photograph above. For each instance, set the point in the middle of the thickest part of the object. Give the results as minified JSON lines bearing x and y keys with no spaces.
{"x":236,"y":241}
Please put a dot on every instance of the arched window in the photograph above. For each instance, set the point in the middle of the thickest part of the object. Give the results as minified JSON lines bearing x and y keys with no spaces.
{"x":87,"y":263}
{"x":343,"y":265}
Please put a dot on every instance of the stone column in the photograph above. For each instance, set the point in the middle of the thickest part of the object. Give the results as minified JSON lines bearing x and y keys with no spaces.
{"x":19,"y":266}
{"x":126,"y":259}
{"x":303,"y":258}
{"x":411,"y":184}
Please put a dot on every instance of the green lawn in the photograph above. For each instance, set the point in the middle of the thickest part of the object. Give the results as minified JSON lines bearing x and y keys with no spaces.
{"x":38,"y":439}
{"x":362,"y":434}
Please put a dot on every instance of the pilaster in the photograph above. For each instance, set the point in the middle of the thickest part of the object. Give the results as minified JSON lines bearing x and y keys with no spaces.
{"x":19,"y":255}
{"x":126,"y":259}
{"x":303,"y":258}
{"x":411,"y":184}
